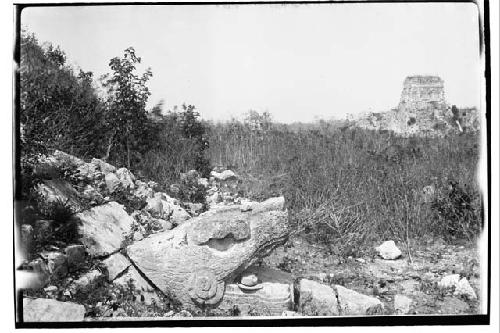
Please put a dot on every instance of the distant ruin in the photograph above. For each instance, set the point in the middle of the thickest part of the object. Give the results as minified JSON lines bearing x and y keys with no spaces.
{"x":422,"y":110}
{"x":422,"y":92}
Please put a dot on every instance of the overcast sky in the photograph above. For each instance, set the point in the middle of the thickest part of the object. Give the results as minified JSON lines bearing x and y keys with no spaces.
{"x":299,"y":62}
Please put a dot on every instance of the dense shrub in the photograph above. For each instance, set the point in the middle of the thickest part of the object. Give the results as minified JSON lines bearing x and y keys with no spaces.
{"x":458,"y":211}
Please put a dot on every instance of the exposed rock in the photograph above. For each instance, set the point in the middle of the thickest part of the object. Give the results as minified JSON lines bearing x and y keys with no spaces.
{"x":214,"y":199}
{"x":104,"y":228}
{"x":57,"y":263}
{"x":92,"y":195}
{"x":449,"y":281}
{"x":249,"y":280}
{"x":195,"y":208}
{"x":354,"y":303}
{"x":166,"y":225}
{"x":179,"y":215}
{"x":290,"y":314}
{"x":203,"y":182}
{"x":146,"y":292}
{"x":138,"y":236}
{"x":84,"y":282}
{"x":463,"y":288}
{"x":126,"y":177}
{"x":89,"y":171}
{"x":115,"y":265}
{"x":112,"y":182}
{"x":60,"y":160}
{"x":273,"y":296}
{"x":57,"y":191}
{"x":452,"y":305}
{"x":224,"y":175}
{"x":388,"y":250}
{"x":316,"y":299}
{"x":155,"y":207}
{"x":402,"y":304}
{"x":104,"y":167}
{"x":246,"y":207}
{"x":193,"y":261}
{"x":75,"y":255}
{"x":142,"y":190}
{"x":49,"y":310}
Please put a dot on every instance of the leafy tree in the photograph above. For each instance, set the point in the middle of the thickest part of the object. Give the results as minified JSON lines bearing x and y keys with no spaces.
{"x":59,"y":108}
{"x":126,"y":116}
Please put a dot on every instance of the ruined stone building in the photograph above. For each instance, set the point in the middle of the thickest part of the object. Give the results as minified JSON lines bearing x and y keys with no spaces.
{"x":422,"y":93}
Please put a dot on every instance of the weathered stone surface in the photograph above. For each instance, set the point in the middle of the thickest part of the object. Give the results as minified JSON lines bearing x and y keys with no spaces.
{"x":271,"y":297}
{"x":76,"y":256}
{"x":104,"y":167}
{"x":145,"y":292}
{"x":57,"y":263}
{"x":316,"y":299}
{"x":61,"y":160}
{"x":388,"y":250}
{"x":143,"y":190}
{"x":89,"y":171}
{"x":402,"y":304}
{"x":84,"y":282}
{"x":179,"y":214}
{"x":452,"y":305}
{"x":354,"y":303}
{"x":49,"y":310}
{"x":249,"y":280}
{"x":115,"y":265}
{"x":224,"y":175}
{"x":421,"y":92}
{"x":463,"y":288}
{"x":126,"y":177}
{"x":449,"y":281}
{"x":193,"y":261}
{"x":57,"y":191}
{"x":103,"y":228}
{"x":112,"y":182}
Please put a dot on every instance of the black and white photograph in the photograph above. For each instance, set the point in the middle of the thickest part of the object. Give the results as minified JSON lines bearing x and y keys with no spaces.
{"x":257,"y":163}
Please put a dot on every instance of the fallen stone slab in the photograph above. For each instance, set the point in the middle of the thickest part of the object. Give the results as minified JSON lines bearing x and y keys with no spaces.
{"x":353,"y":303}
{"x":49,"y":310}
{"x":104,"y":228}
{"x":193,"y":262}
{"x":317,"y":299}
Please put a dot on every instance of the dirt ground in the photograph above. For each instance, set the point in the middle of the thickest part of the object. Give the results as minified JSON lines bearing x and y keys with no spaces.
{"x":384,"y":279}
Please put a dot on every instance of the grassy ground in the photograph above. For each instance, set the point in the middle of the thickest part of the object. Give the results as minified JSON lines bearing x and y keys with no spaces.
{"x":356,"y":185}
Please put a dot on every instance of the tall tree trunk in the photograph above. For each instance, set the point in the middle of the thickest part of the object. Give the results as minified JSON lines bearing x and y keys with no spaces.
{"x":108,"y":149}
{"x":128,"y":153}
